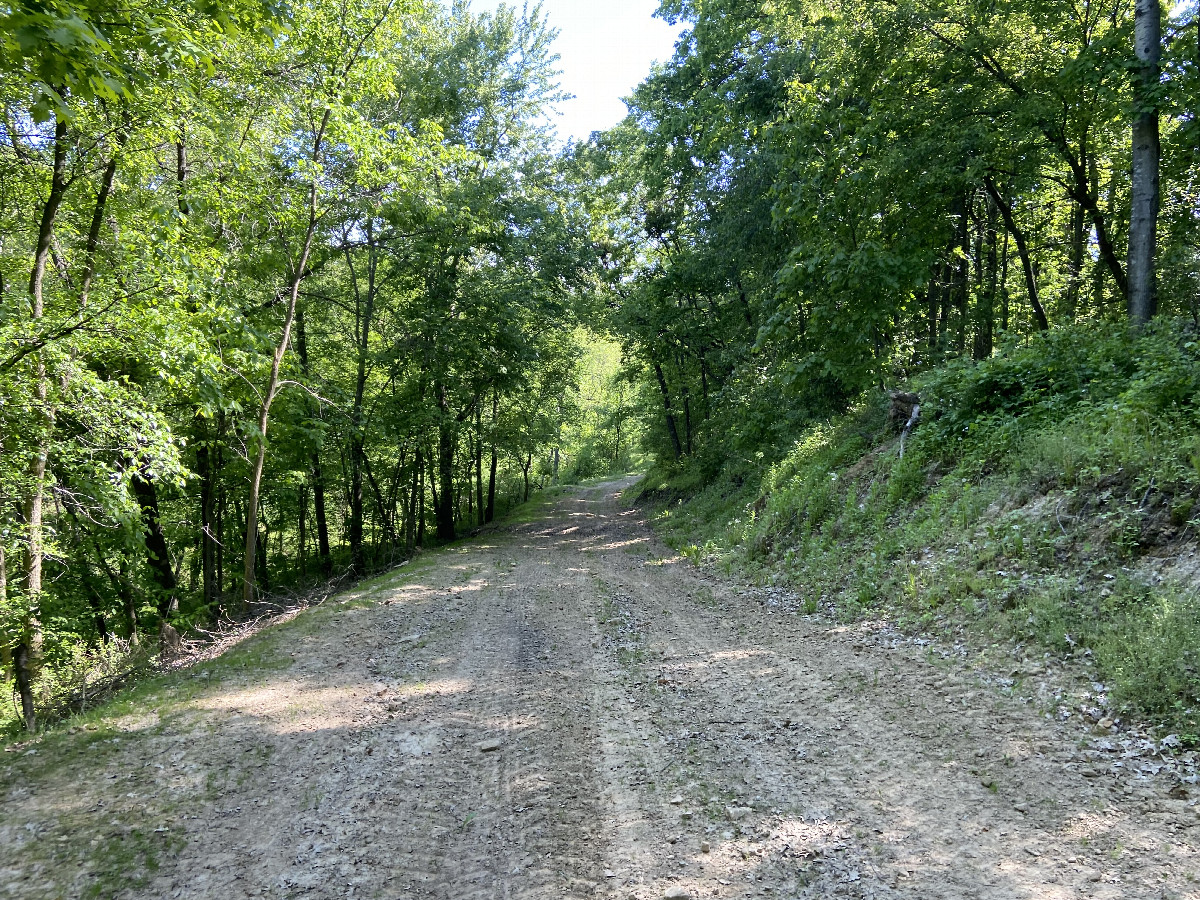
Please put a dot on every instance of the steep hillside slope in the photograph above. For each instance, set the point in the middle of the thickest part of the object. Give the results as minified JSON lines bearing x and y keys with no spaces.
{"x":1043,"y":507}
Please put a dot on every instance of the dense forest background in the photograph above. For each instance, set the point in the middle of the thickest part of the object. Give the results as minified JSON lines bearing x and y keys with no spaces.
{"x":285,"y":293}
{"x":829,"y":197}
{"x":288,"y":291}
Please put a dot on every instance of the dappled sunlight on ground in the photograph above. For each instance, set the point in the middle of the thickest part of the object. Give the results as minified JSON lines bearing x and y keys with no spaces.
{"x":577,"y":714}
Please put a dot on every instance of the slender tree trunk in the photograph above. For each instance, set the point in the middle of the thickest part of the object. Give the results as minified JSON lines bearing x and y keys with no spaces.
{"x":207,"y":473}
{"x":302,"y":529}
{"x":381,"y":510}
{"x":262,"y":571}
{"x":5,"y":646}
{"x":1144,"y":195}
{"x":945,"y":296}
{"x":315,"y":470}
{"x":93,"y":239}
{"x":526,"y":465}
{"x":410,"y":536}
{"x":479,"y":460}
{"x":444,"y":502}
{"x":272,"y":388}
{"x":489,"y":513}
{"x":985,"y":312}
{"x":1075,"y":238}
{"x":1004,"y":297}
{"x":158,"y":556}
{"x":468,"y":488}
{"x":357,"y":560}
{"x":1031,"y":285}
{"x":181,"y":169}
{"x":28,"y":652}
{"x":222,"y":502}
{"x":962,"y":274}
{"x":421,"y":501}
{"x":364,"y":311}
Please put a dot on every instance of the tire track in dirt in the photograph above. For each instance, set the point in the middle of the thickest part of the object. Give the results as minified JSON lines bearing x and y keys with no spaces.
{"x":659,"y":734}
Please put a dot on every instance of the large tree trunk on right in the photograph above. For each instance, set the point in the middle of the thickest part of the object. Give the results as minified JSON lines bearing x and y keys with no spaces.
{"x":1144,"y":193}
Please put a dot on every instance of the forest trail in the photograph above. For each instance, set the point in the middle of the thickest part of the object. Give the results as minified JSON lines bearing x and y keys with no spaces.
{"x":564,"y":709}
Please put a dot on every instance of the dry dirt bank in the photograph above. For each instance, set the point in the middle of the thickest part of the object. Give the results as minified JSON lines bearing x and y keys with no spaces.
{"x":562,"y":709}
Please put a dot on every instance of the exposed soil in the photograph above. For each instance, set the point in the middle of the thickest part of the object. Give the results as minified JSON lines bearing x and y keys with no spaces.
{"x":565,"y":709}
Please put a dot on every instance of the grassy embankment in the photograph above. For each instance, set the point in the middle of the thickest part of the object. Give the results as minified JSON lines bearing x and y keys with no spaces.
{"x":1046,"y":503}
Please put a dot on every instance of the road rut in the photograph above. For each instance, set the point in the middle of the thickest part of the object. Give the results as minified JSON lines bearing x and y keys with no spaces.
{"x":565,"y":709}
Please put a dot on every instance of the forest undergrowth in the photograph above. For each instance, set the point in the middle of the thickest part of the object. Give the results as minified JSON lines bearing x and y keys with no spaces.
{"x":1045,"y":506}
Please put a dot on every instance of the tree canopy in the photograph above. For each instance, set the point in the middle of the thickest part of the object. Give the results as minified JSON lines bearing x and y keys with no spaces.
{"x":288,"y":290}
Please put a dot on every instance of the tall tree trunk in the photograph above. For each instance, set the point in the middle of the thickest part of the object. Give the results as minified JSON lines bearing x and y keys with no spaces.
{"x":364,"y":312}
{"x":421,"y":501}
{"x":526,"y":465}
{"x":380,"y":504}
{"x":302,"y":528}
{"x":1144,"y":194}
{"x":357,"y":560}
{"x":985,"y":311}
{"x":315,"y":470}
{"x":1031,"y":284}
{"x":158,"y":556}
{"x":962,"y":273}
{"x":93,"y":238}
{"x":672,"y":430}
{"x":444,"y":502}
{"x":479,"y":460}
{"x":410,"y":530}
{"x":5,"y":646}
{"x":1076,"y":238}
{"x":1004,"y":296}
{"x":272,"y":388}
{"x":489,"y":513}
{"x":262,"y":571}
{"x":207,"y":473}
{"x":945,"y":296}
{"x":27,"y":654}
{"x":222,"y":502}
{"x":468,"y":477}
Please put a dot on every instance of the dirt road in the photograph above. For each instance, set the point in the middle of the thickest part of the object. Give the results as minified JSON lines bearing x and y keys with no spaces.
{"x":562,"y":709}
